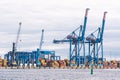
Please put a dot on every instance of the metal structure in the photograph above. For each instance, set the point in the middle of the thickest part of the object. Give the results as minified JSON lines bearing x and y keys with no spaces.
{"x":39,"y":50}
{"x":48,"y":55}
{"x":22,"y":57}
{"x":95,"y":44}
{"x":41,"y":42}
{"x":77,"y":47}
{"x":18,"y":35}
{"x":28,"y":58}
{"x":14,"y":49}
{"x":76,"y":41}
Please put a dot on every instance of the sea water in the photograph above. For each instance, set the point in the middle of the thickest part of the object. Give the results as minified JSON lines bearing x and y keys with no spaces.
{"x":59,"y":74}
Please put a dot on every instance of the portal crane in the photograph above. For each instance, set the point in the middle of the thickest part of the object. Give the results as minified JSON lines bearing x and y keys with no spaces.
{"x":14,"y":49}
{"x":76,"y":41}
{"x":18,"y":35}
{"x":95,"y":43}
{"x":39,"y":49}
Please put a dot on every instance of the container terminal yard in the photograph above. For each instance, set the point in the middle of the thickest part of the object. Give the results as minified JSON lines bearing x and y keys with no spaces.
{"x":59,"y":40}
{"x":84,"y":52}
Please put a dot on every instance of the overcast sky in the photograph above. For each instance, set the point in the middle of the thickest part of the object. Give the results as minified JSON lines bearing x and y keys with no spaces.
{"x":58,"y":18}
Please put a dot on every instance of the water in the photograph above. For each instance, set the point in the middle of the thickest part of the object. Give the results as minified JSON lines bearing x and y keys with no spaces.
{"x":59,"y":74}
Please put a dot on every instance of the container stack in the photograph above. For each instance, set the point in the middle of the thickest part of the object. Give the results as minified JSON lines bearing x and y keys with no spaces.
{"x":0,"y":62}
{"x":4,"y":63}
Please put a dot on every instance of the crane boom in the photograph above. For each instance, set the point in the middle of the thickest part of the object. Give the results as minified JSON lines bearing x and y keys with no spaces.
{"x":85,"y":22}
{"x":18,"y":34}
{"x":41,"y":41}
{"x":103,"y":24}
{"x":99,"y":36}
{"x":81,"y":38}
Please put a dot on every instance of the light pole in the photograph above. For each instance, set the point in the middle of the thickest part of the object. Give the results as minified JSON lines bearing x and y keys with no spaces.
{"x":92,"y":64}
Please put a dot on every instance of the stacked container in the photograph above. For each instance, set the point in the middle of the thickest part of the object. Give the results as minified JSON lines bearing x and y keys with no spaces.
{"x":0,"y":62}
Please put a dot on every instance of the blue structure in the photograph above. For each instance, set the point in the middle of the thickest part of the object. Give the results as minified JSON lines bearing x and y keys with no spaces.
{"x":95,"y":44}
{"x":77,"y":45}
{"x":40,"y":47}
{"x":30,"y":57}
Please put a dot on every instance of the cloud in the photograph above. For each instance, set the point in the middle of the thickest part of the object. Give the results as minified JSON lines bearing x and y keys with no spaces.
{"x":58,"y":18}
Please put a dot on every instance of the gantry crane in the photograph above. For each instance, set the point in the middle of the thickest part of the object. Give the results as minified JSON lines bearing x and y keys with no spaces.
{"x":95,"y":44}
{"x":76,"y":41}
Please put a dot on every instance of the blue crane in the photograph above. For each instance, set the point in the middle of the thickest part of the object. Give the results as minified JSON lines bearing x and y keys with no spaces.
{"x":41,"y":42}
{"x":39,"y":50}
{"x":42,"y":53}
{"x":95,"y":43}
{"x":76,"y":41}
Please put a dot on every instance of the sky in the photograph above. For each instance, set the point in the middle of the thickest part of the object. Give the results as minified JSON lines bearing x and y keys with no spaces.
{"x":58,"y":18}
